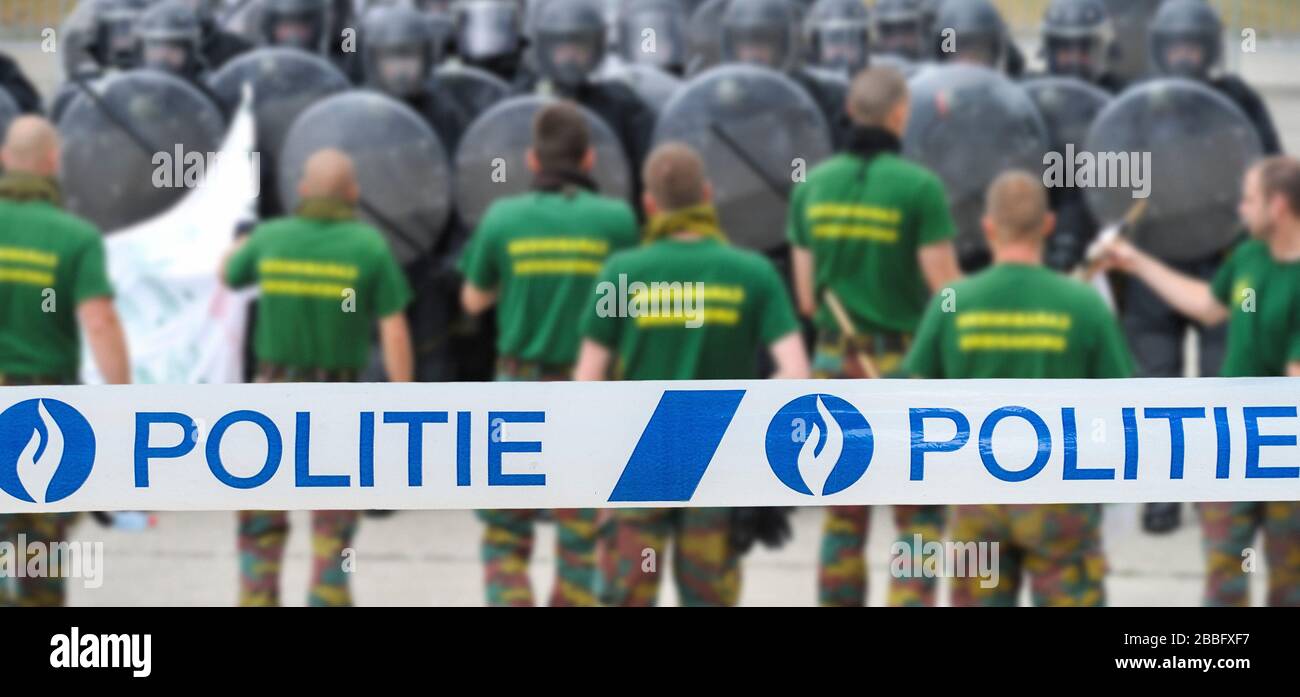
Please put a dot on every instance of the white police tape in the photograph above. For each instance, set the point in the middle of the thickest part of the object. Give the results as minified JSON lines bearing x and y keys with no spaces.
{"x":570,"y":445}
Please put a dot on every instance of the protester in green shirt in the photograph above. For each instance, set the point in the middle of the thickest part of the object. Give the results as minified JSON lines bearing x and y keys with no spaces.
{"x":326,"y":280}
{"x":687,"y":306}
{"x":53,"y":287}
{"x":873,"y":232}
{"x":1019,"y":319}
{"x":1257,"y":292}
{"x":536,"y":256}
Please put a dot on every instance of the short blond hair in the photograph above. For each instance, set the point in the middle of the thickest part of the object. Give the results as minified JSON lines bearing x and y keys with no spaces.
{"x":1017,"y":206}
{"x":674,"y":176}
{"x":874,"y":94}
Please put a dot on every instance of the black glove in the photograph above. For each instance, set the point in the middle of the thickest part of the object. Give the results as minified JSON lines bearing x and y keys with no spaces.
{"x":1162,"y":518}
{"x":768,"y":526}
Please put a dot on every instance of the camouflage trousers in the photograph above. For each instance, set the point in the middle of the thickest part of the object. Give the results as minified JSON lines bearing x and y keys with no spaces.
{"x":1228,"y":530}
{"x":842,"y":568}
{"x":706,"y":569}
{"x":262,"y":535}
{"x":1057,"y":546}
{"x":508,"y":546}
{"x":508,"y":535}
{"x":47,"y":529}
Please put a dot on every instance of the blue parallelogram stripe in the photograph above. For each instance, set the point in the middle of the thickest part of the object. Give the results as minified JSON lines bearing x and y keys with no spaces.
{"x":677,"y":445}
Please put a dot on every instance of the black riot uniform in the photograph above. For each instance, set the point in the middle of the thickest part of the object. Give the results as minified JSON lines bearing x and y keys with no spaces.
{"x":217,"y":46}
{"x":766,"y":32}
{"x":901,"y":29}
{"x":980,"y":36}
{"x":838,"y":35}
{"x":570,"y":44}
{"x":16,"y":84}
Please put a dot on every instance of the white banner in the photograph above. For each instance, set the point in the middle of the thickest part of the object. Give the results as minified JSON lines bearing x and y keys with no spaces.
{"x":182,"y":325}
{"x":566,"y":445}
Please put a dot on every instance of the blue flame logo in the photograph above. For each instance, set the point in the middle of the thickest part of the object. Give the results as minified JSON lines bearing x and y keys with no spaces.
{"x":42,"y":422}
{"x":811,"y":429}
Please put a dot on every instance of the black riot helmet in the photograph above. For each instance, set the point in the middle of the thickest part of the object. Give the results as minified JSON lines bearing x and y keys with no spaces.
{"x":971,"y":31}
{"x":654,"y":32}
{"x":488,"y":31}
{"x":302,"y":24}
{"x":1185,"y":38}
{"x":114,"y":43}
{"x":170,"y":35}
{"x":1077,"y":38}
{"x":397,"y":50}
{"x":762,"y":32}
{"x":901,"y":29}
{"x":206,"y":10}
{"x":569,"y":36}
{"x":838,"y":35}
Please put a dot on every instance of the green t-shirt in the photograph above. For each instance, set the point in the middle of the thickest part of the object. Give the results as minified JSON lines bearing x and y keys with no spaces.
{"x":324,"y":282}
{"x":1019,"y":321}
{"x":688,"y":310}
{"x":541,"y":252}
{"x":1263,"y":299}
{"x":864,"y":226}
{"x":50,"y":262}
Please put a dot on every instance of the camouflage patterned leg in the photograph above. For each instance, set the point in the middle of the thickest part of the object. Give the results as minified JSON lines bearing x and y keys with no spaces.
{"x":842,"y":569}
{"x":1064,"y":555}
{"x":48,"y":529}
{"x":1282,"y":552}
{"x":705,"y":567}
{"x":988,"y":524}
{"x":927,"y":521}
{"x":631,"y":553}
{"x":575,"y":572}
{"x":506,"y":550}
{"x":331,"y":533}
{"x":1227,"y":529}
{"x":261,"y":552}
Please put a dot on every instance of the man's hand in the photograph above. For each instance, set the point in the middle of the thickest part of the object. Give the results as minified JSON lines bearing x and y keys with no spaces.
{"x":1189,"y":296}
{"x":1117,"y":254}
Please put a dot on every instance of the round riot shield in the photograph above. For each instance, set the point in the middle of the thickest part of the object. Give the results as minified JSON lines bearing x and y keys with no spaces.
{"x":490,"y":162}
{"x":401,"y":165}
{"x":1130,"y":19}
{"x":285,"y":82}
{"x":8,"y":111}
{"x":243,"y":18}
{"x":1199,"y":146}
{"x":968,"y":125}
{"x":1068,"y":106}
{"x":470,"y":88}
{"x":755,"y":129}
{"x":654,"y":86}
{"x":132,"y":149}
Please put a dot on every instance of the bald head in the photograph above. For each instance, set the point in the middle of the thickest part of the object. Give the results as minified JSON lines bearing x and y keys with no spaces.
{"x":329,"y":174}
{"x":876,"y":98}
{"x":1016,"y":210}
{"x":31,"y":146}
{"x":674,"y":178}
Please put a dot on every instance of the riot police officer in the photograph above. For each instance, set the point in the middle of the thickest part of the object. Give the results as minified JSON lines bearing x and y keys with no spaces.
{"x":766,"y":32}
{"x":1079,"y":41}
{"x":1186,"y":40}
{"x":16,"y":85}
{"x":901,"y":30}
{"x":667,"y":19}
{"x":216,"y":45}
{"x":838,"y":35}
{"x":489,"y":35}
{"x":570,"y":45}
